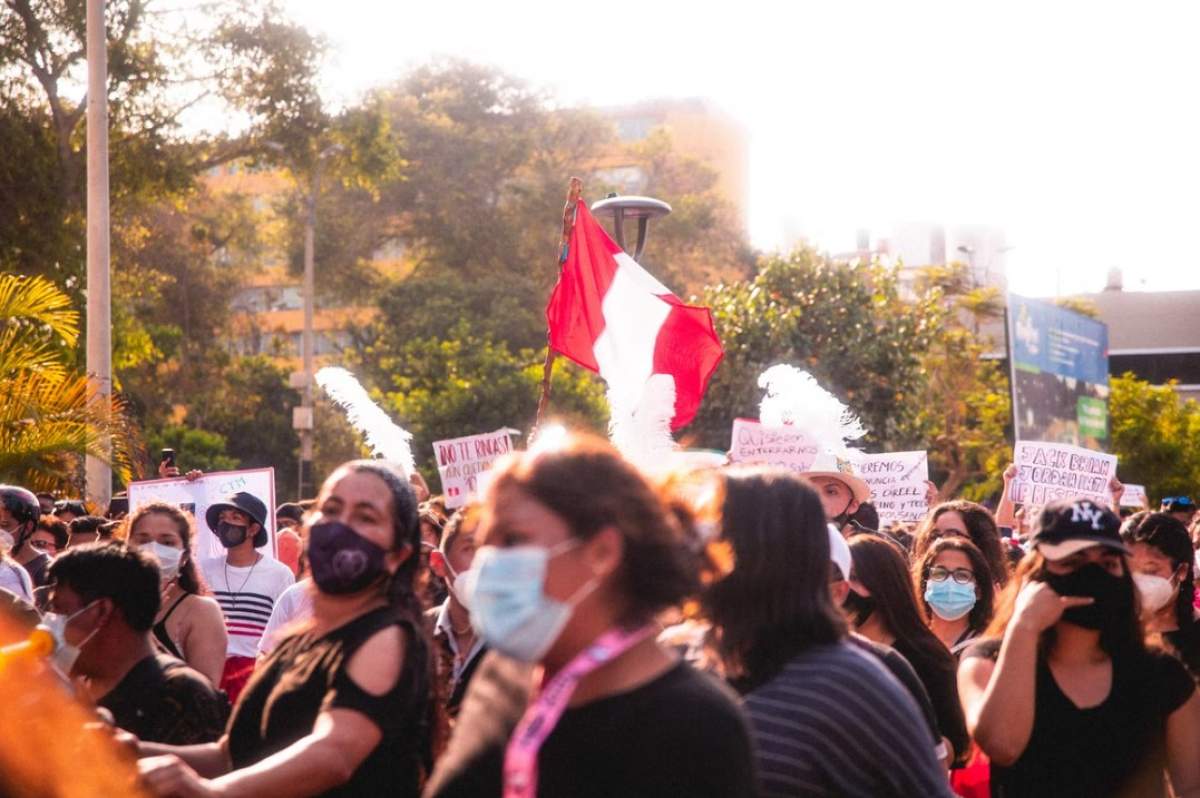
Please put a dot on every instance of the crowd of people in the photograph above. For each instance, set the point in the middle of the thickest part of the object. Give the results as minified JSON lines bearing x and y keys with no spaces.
{"x":586,"y":629}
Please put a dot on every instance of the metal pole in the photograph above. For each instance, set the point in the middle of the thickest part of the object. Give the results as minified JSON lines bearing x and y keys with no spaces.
{"x":306,"y":435}
{"x":99,"y":329}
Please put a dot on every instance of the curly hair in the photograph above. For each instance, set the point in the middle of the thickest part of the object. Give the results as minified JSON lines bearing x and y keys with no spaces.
{"x":189,"y":580}
{"x":981,"y":529}
{"x":985,"y":588}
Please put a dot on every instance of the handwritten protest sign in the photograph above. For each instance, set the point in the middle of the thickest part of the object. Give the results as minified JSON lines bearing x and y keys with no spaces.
{"x":1050,"y":471}
{"x":1134,"y":496}
{"x":462,"y":461}
{"x":195,"y":497}
{"x":759,"y":444}
{"x":897,"y":481}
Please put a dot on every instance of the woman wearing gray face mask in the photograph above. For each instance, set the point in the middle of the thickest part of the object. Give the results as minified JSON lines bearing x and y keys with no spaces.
{"x":189,"y":624}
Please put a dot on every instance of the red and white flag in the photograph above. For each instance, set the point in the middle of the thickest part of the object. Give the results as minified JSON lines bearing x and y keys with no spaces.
{"x":608,"y":314}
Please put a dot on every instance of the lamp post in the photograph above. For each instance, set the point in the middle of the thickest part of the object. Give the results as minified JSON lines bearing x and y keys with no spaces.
{"x":641,"y":209}
{"x":98,"y":487}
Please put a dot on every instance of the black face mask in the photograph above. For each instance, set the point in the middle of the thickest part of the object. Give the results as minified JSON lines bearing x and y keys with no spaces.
{"x":342,"y":560}
{"x":1113,"y":597}
{"x":231,"y":535}
{"x":859,"y":607}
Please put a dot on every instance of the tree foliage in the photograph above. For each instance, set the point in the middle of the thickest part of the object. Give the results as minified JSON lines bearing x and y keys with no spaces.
{"x":1155,"y":435}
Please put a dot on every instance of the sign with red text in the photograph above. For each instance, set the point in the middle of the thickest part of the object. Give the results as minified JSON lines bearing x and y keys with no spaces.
{"x":462,"y":461}
{"x":1047,"y":472}
{"x":897,"y":481}
{"x":196,"y":495}
{"x":1135,"y":496}
{"x":758,"y":444}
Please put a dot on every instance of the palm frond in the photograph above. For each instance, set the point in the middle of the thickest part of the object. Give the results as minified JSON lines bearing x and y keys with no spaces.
{"x":37,"y":301}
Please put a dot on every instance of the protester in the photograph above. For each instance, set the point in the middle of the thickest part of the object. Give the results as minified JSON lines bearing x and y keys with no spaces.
{"x":882,"y":607}
{"x":578,"y":557}
{"x":189,"y":625}
{"x":827,"y":719}
{"x":864,"y":519}
{"x":288,"y":545}
{"x":67,"y":510}
{"x":430,"y":587}
{"x":965,"y":520}
{"x":292,"y":608}
{"x":459,"y":648}
{"x":104,"y":598}
{"x":1181,"y":508}
{"x":342,"y":706}
{"x":1161,"y":558}
{"x":50,"y":536}
{"x":87,"y":529}
{"x":841,"y":492}
{"x":19,"y":516}
{"x":46,"y":502}
{"x":244,"y":582}
{"x":1064,"y":696}
{"x":957,"y":591}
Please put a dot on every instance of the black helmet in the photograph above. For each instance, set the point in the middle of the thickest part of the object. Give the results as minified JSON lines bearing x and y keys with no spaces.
{"x":249,"y":504}
{"x":20,"y":503}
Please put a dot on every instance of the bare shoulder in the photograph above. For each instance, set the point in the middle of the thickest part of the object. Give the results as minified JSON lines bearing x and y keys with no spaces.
{"x":376,"y":665}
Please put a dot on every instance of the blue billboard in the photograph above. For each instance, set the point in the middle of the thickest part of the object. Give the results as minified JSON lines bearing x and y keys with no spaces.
{"x":1058,"y":363}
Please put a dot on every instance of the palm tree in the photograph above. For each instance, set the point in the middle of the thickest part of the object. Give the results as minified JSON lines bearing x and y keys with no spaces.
{"x":50,"y":417}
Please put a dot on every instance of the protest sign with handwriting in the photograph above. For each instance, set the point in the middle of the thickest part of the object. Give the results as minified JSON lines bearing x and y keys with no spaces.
{"x":755,"y":443}
{"x":897,"y":481}
{"x":1134,"y":496}
{"x":1050,"y":471}
{"x":461,"y":461}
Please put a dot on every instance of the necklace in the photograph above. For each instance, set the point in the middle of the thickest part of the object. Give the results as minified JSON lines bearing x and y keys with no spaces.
{"x":233,"y":595}
{"x":463,"y":631}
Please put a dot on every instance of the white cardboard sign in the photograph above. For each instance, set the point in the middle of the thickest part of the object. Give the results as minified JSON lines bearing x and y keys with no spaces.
{"x":1134,"y":496}
{"x":897,"y":481}
{"x":462,"y":462}
{"x":197,"y":496}
{"x":759,"y":444}
{"x":1047,"y":472}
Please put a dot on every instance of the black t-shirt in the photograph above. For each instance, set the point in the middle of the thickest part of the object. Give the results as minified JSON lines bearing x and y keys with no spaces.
{"x":307,"y":674}
{"x":899,"y":667}
{"x":1117,"y":748}
{"x":940,"y":678}
{"x":1185,"y":644}
{"x":162,"y":700}
{"x":679,"y":734}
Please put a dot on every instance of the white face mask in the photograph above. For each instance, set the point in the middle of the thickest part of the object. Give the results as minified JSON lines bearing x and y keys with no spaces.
{"x":457,"y":583}
{"x":1156,"y":592}
{"x":65,"y":653}
{"x":6,"y":540}
{"x":169,"y":559}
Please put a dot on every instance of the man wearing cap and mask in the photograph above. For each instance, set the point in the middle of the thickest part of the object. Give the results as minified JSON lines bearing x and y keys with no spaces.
{"x":840,"y":489}
{"x":245,"y":582}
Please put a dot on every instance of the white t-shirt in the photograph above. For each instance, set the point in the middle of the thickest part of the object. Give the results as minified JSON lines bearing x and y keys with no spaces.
{"x":247,"y":597}
{"x":16,"y":579}
{"x":294,"y":605}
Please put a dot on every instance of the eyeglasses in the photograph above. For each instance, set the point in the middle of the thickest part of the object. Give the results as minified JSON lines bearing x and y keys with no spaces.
{"x":42,"y":545}
{"x":961,"y":575}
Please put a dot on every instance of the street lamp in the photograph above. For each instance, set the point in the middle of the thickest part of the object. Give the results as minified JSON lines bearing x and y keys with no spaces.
{"x":620,"y":208}
{"x":302,"y":417}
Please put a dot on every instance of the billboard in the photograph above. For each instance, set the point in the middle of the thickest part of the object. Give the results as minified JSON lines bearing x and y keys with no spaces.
{"x":1058,"y":362}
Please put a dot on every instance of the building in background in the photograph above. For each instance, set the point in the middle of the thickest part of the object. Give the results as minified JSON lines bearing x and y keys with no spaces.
{"x":914,"y":246}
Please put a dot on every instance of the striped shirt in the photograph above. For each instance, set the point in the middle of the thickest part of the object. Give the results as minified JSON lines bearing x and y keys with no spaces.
{"x":835,"y":722}
{"x":247,"y":596}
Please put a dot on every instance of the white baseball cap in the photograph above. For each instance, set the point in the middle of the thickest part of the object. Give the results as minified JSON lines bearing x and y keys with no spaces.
{"x":839,"y":551}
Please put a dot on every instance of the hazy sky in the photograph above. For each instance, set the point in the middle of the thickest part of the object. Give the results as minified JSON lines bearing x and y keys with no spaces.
{"x":1075,"y":127}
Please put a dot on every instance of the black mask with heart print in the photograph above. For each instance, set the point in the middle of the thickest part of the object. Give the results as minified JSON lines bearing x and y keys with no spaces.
{"x":343,"y":561}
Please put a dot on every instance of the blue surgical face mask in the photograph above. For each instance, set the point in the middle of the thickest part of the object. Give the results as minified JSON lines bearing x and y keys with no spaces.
{"x":509,"y":607}
{"x":949,"y":600}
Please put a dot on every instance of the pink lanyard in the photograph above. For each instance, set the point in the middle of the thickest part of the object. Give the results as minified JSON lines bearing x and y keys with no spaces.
{"x":541,"y":716}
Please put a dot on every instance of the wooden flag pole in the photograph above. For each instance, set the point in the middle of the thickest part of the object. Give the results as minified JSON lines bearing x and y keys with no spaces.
{"x":574,"y":190}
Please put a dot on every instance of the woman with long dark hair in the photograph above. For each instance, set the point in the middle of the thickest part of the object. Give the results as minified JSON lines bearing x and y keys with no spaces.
{"x":578,"y":557}
{"x":1162,"y":560}
{"x":968,"y":520}
{"x":1064,"y":697}
{"x":342,"y":706}
{"x":189,"y":624}
{"x":827,"y":719}
{"x":882,"y":607}
{"x":956,"y":590}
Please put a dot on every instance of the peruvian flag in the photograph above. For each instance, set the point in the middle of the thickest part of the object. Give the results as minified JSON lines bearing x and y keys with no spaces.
{"x":608,"y":314}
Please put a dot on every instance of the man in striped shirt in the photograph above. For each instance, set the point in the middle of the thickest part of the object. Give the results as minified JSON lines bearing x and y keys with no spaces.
{"x":245,"y":582}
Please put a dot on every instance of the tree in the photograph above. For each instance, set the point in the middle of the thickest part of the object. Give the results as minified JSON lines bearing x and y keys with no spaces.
{"x":845,"y":324}
{"x":49,"y":415}
{"x":1155,"y":435}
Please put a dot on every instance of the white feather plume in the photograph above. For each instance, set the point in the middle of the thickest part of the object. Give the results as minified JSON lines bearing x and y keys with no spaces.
{"x":383,"y":436}
{"x":640,"y":421}
{"x":794,"y":398}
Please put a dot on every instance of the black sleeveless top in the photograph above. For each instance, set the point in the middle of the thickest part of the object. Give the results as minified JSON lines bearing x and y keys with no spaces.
{"x":306,"y":674}
{"x":160,"y":631}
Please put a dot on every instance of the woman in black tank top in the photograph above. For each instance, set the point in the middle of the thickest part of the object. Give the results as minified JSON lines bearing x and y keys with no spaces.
{"x":197,"y":636}
{"x":342,"y":706}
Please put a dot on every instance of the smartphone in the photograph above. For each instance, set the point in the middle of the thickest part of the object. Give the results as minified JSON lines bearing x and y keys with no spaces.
{"x":168,"y":457}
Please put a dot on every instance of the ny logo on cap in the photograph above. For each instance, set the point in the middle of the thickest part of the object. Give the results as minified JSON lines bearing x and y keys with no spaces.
{"x":1087,"y":512}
